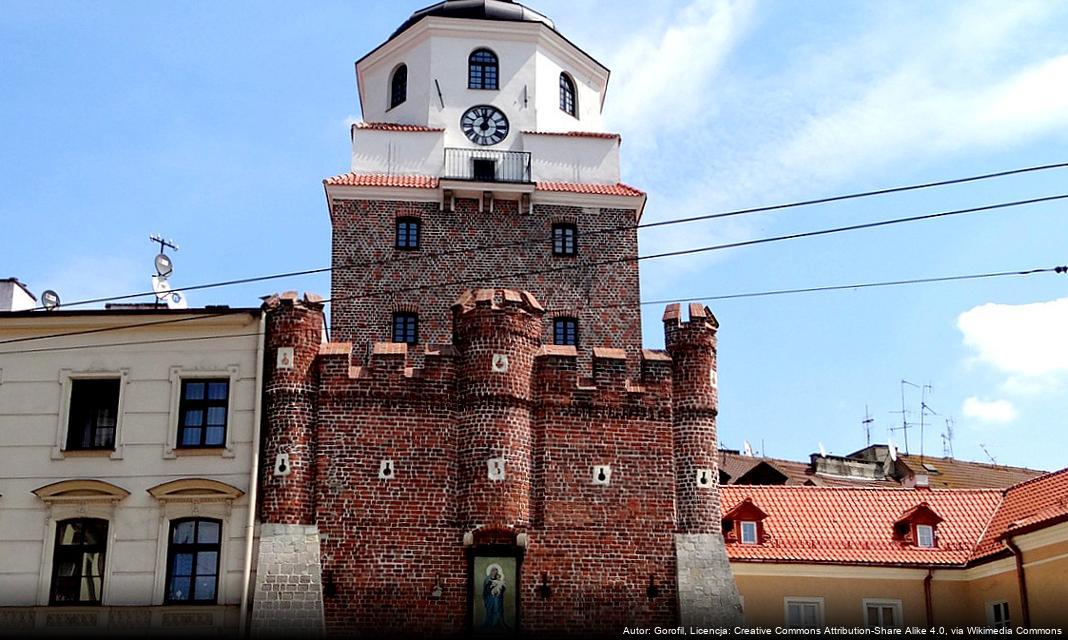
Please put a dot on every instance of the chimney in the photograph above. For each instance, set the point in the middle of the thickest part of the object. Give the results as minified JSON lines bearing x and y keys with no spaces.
{"x":922,"y":481}
{"x":15,"y":296}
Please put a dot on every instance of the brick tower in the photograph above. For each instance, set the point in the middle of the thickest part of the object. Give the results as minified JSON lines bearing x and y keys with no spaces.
{"x":485,"y":447}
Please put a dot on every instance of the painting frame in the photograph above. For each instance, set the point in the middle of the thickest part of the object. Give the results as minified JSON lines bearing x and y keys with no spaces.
{"x":480,"y":559}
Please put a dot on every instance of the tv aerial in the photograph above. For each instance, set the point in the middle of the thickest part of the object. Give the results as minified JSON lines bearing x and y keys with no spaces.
{"x":164,"y":268}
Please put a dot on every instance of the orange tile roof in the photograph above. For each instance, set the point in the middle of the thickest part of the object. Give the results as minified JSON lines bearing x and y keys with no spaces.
{"x":376,"y":180}
{"x":575,"y":134}
{"x":1039,"y":501}
{"x":618,"y":189}
{"x":854,"y":525}
{"x":391,"y":126}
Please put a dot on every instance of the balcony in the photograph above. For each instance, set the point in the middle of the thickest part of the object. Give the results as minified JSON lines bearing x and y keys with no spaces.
{"x":487,"y":165}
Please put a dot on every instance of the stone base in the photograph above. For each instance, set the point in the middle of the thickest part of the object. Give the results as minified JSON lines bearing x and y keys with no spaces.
{"x":708,"y":596}
{"x":289,"y":589}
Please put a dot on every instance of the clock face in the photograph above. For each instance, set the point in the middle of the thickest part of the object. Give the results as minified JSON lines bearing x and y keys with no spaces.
{"x":484,"y":125}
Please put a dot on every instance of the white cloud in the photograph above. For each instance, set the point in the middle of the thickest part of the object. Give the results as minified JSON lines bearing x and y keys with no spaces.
{"x":996,"y":411}
{"x":1022,"y":340}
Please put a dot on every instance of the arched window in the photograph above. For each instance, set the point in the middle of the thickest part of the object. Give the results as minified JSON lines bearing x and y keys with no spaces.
{"x":567,"y":95}
{"x":398,"y":86}
{"x":482,"y":70}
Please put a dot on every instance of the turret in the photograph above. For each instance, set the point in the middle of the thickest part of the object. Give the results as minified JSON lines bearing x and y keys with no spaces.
{"x":294,"y":334}
{"x":692,"y":346}
{"x":497,"y":333}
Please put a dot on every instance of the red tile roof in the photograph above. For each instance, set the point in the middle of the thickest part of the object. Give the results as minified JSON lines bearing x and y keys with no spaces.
{"x":846,"y":525}
{"x":376,"y":180}
{"x":1039,"y":501}
{"x":391,"y":126}
{"x":575,"y":134}
{"x":618,"y":189}
{"x":427,"y":182}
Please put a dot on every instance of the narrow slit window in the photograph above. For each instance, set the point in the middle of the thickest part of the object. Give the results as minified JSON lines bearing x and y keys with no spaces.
{"x":567,"y":95}
{"x":406,"y":328}
{"x":482,"y":70}
{"x":398,"y":90}
{"x":565,"y":240}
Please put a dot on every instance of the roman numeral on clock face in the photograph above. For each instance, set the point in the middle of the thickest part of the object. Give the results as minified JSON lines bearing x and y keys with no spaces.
{"x":484,"y":125}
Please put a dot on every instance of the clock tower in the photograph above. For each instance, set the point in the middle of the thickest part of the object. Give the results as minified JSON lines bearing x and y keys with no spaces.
{"x":485,"y":447}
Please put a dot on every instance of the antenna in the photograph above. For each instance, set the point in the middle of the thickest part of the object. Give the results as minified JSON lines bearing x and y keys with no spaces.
{"x":868,"y":421}
{"x":992,"y":460}
{"x":905,"y":424}
{"x":164,"y":269}
{"x":947,"y":439}
{"x":50,"y":299}
{"x":924,"y":410}
{"x":891,"y":449}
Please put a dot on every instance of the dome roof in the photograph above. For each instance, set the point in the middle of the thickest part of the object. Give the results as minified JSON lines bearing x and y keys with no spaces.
{"x":505,"y":10}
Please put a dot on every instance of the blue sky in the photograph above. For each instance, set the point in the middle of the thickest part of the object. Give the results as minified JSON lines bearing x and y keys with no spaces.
{"x":214,"y":124}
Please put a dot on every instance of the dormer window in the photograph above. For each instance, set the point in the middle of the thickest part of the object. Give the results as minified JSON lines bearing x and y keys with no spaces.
{"x":398,"y":86}
{"x":924,"y":536}
{"x":567,"y":95}
{"x":482,"y":70}
{"x":918,"y":527}
{"x":744,"y":524}
{"x":749,"y":532}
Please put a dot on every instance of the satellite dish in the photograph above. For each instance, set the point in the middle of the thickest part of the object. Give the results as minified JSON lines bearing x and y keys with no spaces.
{"x":892,"y":448}
{"x":176,"y":300}
{"x":50,"y":300}
{"x":161,"y":287}
{"x":164,"y":266}
{"x":823,"y":451}
{"x":747,"y":448}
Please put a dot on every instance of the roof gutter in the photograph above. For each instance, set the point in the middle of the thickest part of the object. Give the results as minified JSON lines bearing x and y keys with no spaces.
{"x":1021,"y":578}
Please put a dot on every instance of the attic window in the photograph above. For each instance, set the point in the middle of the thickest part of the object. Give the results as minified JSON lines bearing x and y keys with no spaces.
{"x":930,"y":467}
{"x":925,"y":536}
{"x":749,"y":533}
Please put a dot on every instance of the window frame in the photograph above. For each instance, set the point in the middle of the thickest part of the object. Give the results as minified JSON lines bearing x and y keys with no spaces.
{"x":178,"y":375}
{"x":54,"y":568}
{"x":408,"y":220}
{"x":411,"y":315}
{"x":66,"y":379}
{"x":568,"y":95}
{"x":92,"y":426}
{"x":755,"y":529}
{"x":992,"y":614}
{"x":482,"y":67}
{"x":803,"y":600}
{"x":205,"y":404}
{"x":882,"y":603}
{"x":196,"y":549}
{"x":393,"y":93}
{"x":563,"y":322}
{"x":919,"y":537}
{"x":560,"y":245}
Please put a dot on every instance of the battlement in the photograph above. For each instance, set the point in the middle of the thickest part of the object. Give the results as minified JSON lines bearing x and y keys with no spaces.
{"x":698,"y":331}
{"x":559,"y":382}
{"x":389,"y":372}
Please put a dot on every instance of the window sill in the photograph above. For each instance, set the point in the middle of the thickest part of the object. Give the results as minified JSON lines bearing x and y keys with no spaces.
{"x":204,"y":451}
{"x":88,"y":453}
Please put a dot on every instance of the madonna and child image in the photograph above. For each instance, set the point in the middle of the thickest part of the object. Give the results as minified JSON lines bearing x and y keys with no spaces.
{"x":494,"y":604}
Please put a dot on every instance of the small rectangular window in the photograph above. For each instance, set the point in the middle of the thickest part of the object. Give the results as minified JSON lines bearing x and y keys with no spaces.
{"x":94,"y":414}
{"x":804,"y":613}
{"x":202,"y":413}
{"x":406,"y":328}
{"x":997,"y":615}
{"x":565,"y":240}
{"x":924,"y":536}
{"x":408,"y":233}
{"x":882,"y":614}
{"x":484,"y":170}
{"x":565,"y":331}
{"x":749,"y":533}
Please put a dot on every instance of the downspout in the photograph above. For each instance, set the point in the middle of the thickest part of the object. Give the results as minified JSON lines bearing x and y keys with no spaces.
{"x":927,"y":599}
{"x":253,"y":486}
{"x":1021,"y":579}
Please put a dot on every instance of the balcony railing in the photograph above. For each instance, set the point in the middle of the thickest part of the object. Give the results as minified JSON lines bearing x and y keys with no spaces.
{"x":487,"y":165}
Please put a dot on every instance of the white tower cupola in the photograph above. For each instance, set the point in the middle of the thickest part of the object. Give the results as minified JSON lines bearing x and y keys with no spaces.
{"x":489,"y":91}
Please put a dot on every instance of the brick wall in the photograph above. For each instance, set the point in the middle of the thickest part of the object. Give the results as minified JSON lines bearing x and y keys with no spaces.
{"x":364,"y":231}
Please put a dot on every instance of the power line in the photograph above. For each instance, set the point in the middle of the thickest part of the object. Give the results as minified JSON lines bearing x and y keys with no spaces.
{"x":619,"y":229}
{"x":681,"y":252}
{"x":996,"y":274}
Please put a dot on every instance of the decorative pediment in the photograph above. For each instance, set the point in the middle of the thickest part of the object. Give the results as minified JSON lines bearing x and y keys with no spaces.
{"x":195,"y":490}
{"x":920,"y":514}
{"x":72,"y":491}
{"x":746,"y":510}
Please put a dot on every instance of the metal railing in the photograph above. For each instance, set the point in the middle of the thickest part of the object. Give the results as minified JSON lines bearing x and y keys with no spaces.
{"x":487,"y":165}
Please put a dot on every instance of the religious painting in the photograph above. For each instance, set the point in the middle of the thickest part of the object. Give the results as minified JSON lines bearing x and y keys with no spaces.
{"x":494,"y":599}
